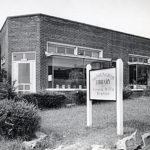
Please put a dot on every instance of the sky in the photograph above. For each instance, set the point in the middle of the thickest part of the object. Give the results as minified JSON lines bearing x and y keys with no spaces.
{"x":128,"y":16}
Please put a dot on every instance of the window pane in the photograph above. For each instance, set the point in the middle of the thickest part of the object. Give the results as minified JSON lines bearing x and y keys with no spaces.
{"x":27,"y":87}
{"x":135,"y":59}
{"x":30,"y":56}
{"x":49,"y":70}
{"x":51,"y":48}
{"x":141,"y":60}
{"x":146,"y":60}
{"x":70,"y":51}
{"x":96,"y":54}
{"x":142,"y":75}
{"x":88,"y":53}
{"x":17,"y":56}
{"x":61,"y":50}
{"x":130,"y":59}
{"x":20,"y":87}
{"x":132,"y":74}
{"x":80,"y":52}
{"x":24,"y":73}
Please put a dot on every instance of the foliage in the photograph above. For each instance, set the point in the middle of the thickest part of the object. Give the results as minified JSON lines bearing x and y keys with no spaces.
{"x":81,"y":98}
{"x":46,"y":99}
{"x":127,"y":92}
{"x":7,"y":90}
{"x":18,"y":119}
{"x":77,"y":97}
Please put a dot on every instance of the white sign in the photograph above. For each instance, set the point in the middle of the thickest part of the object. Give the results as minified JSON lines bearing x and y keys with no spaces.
{"x":103,"y":84}
{"x":49,"y":77}
{"x":106,"y":84}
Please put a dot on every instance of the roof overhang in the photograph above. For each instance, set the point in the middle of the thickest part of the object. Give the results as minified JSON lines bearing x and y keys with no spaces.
{"x":138,"y":63}
{"x":78,"y":56}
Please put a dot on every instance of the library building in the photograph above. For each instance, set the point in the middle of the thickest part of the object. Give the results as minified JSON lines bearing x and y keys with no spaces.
{"x":39,"y":52}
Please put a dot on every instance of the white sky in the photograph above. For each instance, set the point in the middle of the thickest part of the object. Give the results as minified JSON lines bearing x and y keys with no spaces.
{"x":129,"y":16}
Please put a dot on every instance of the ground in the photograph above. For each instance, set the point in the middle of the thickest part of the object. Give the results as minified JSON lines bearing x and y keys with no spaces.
{"x":68,"y":125}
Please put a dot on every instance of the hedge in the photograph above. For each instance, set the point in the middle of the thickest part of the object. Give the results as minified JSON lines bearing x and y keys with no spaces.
{"x":18,"y":119}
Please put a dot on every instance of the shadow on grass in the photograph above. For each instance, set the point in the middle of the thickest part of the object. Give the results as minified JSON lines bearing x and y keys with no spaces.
{"x":137,"y":125}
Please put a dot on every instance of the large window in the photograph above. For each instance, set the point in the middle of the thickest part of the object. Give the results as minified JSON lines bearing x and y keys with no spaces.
{"x":138,"y":69}
{"x":67,"y":73}
{"x":138,"y":74}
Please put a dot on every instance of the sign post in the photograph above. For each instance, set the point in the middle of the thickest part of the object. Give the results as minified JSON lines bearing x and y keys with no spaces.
{"x":119,"y":67}
{"x":106,"y":84}
{"x":89,"y":102}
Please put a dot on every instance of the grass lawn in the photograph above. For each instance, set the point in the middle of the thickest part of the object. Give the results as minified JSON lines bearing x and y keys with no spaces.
{"x":68,"y":125}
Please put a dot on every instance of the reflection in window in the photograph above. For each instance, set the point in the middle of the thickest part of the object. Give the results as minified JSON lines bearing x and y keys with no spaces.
{"x":69,"y":77}
{"x":23,"y":73}
{"x":138,"y":74}
{"x":142,"y":75}
{"x":80,"y":52}
{"x":132,"y":74}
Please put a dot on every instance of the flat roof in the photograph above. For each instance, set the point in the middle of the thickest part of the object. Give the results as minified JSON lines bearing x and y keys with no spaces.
{"x":94,"y":26}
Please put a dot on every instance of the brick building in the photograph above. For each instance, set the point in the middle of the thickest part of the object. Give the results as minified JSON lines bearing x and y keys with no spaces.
{"x":41,"y":51}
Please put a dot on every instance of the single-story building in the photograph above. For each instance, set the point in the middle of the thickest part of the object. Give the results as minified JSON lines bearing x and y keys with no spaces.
{"x":39,"y":51}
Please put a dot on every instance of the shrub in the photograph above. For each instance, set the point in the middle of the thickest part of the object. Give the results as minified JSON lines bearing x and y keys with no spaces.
{"x":46,"y":99}
{"x":127,"y":92}
{"x":7,"y":90}
{"x":81,"y":98}
{"x":18,"y":119}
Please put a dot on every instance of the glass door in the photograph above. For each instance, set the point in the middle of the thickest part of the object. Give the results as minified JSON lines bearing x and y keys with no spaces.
{"x":24,"y":75}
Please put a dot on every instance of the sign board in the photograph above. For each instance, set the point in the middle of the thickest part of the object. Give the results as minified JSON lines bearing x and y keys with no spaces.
{"x":103,"y":84}
{"x":106,"y":84}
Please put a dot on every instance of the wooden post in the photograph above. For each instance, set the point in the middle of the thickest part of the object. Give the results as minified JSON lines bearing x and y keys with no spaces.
{"x":119,"y":68}
{"x":89,"y":102}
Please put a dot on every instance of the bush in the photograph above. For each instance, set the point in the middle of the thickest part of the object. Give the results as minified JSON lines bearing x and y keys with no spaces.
{"x":81,"y":98}
{"x":127,"y":92}
{"x":75,"y":97}
{"x":18,"y":119}
{"x":46,"y":99}
{"x":7,"y":90}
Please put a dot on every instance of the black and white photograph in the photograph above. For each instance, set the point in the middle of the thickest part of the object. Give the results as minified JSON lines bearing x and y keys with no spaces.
{"x":75,"y":75}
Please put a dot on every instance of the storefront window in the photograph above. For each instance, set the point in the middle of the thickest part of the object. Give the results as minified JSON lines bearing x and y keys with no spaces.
{"x":67,"y":73}
{"x":138,"y":74}
{"x":69,"y":77}
{"x":142,"y":75}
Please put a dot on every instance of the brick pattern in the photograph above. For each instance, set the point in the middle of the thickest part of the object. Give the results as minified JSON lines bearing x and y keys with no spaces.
{"x":31,"y":33}
{"x":23,"y":35}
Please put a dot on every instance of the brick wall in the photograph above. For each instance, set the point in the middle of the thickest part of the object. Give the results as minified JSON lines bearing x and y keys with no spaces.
{"x":4,"y":43}
{"x":114,"y":44}
{"x":22,"y":35}
{"x":31,"y":33}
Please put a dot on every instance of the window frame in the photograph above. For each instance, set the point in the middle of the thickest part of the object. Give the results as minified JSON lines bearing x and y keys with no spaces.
{"x":76,"y":49}
{"x":132,"y":57}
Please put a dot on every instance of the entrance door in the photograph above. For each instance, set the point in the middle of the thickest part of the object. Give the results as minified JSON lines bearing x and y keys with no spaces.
{"x":23,"y":73}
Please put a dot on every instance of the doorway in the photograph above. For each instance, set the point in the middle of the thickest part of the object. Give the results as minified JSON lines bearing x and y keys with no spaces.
{"x":24,"y":72}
